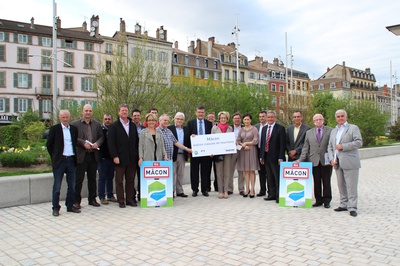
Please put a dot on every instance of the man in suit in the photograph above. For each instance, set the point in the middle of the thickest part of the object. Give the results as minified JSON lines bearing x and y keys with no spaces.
{"x":272,"y":153}
{"x":136,"y":118}
{"x":237,"y":125}
{"x":180,"y":156}
{"x":345,"y":139}
{"x":262,"y":117}
{"x":61,"y":145}
{"x":314,"y":149}
{"x":295,"y":136}
{"x":90,"y":138}
{"x":123,"y":143}
{"x":200,"y":126}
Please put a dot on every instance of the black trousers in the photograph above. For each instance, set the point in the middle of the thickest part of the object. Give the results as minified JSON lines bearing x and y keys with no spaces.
{"x":272,"y":172}
{"x":322,"y":183}
{"x":204,"y":165}
{"x":88,"y":166}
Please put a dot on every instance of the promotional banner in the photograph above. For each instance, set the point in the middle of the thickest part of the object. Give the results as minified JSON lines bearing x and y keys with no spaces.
{"x":295,"y":188}
{"x":156,"y":184}
{"x":205,"y":145}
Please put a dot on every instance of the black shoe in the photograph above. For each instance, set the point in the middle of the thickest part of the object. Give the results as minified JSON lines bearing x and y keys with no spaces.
{"x":317,"y":204}
{"x":56,"y":212}
{"x":340,"y":209}
{"x":205,"y":194}
{"x":270,"y":198}
{"x":122,"y":205}
{"x":277,"y":200}
{"x":245,"y":195}
{"x":194,"y":194}
{"x":230,"y":192}
{"x":251,"y":196}
{"x":241,"y":193}
{"x":133,"y":203}
{"x":260,"y":194}
{"x":94,"y":203}
{"x":327,"y":205}
{"x":353,"y":213}
{"x":77,"y":206}
{"x":183,"y":195}
{"x":73,"y":209}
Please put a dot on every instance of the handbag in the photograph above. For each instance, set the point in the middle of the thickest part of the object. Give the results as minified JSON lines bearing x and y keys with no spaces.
{"x":218,"y":158}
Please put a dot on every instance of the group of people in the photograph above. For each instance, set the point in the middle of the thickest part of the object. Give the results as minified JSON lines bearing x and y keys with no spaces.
{"x":119,"y":148}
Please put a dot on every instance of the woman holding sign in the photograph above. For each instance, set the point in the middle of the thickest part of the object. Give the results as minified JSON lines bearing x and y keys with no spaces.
{"x":248,"y":159}
{"x":222,"y":162}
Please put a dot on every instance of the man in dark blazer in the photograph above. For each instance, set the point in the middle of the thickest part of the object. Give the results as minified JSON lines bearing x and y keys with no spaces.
{"x":262,"y":176}
{"x":295,"y":136}
{"x":123,"y":143}
{"x":61,"y":145}
{"x":272,"y":153}
{"x":344,"y":141}
{"x":136,"y":119}
{"x":200,"y":126}
{"x":180,"y":156}
{"x":314,"y":149}
{"x":90,"y":139}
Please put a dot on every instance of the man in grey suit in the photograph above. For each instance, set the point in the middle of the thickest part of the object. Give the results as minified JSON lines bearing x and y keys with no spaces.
{"x":345,"y":139}
{"x":295,"y":136}
{"x":314,"y":149}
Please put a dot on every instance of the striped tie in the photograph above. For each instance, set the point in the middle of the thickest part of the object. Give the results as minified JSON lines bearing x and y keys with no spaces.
{"x":268,"y":137}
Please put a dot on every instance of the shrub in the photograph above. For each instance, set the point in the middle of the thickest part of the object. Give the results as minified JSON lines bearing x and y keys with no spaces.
{"x":17,"y":159}
{"x":34,"y":131}
{"x":10,"y":135}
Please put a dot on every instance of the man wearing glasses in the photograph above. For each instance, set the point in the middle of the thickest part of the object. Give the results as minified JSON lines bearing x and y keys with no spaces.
{"x":345,"y":139}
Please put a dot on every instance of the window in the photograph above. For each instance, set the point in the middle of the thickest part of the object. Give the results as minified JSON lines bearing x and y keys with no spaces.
{"x":273,"y":100}
{"x":88,"y":46}
{"x":281,"y":76}
{"x":206,"y":75}
{"x":46,"y":84}
{"x":205,"y":62}
{"x":108,"y":67}
{"x":321,"y":86}
{"x":46,"y":60}
{"x":22,"y":55}
{"x":234,"y":76}
{"x":281,"y":88}
{"x":68,"y":44}
{"x":2,"y":79}
{"x":281,"y":101}
{"x":198,"y":73}
{"x":175,"y":71}
{"x":69,"y":83}
{"x":87,"y":84}
{"x":69,"y":58}
{"x":215,"y":76}
{"x":89,"y":61}
{"x":2,"y":36}
{"x":163,"y":57}
{"x":273,"y":74}
{"x":215,"y":64}
{"x":332,"y":86}
{"x":2,"y":53}
{"x":22,"y":80}
{"x":46,"y":106}
{"x":186,"y":60}
{"x":197,"y":61}
{"x":149,"y":54}
{"x":251,"y":75}
{"x":2,"y":105}
{"x":22,"y":38}
{"x":45,"y":41}
{"x":175,"y":58}
{"x":227,"y":74}
{"x":187,"y":72}
{"x":273,"y":87}
{"x":241,"y":76}
{"x":22,"y":105}
{"x":109,"y":48}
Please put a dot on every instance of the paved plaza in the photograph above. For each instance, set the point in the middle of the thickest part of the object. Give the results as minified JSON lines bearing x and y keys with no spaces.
{"x":212,"y":231}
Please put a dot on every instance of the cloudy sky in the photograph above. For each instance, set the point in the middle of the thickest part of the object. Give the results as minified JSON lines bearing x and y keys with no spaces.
{"x":321,"y":33}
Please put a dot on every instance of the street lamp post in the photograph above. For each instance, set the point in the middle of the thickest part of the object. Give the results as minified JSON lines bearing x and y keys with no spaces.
{"x":236,"y":33}
{"x":54,"y":55}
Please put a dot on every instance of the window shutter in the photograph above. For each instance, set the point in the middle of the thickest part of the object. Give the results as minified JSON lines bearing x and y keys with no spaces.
{"x":29,"y":80}
{"x":82,"y":84}
{"x":6,"y":36}
{"x":82,"y":103}
{"x":15,"y":80}
{"x":15,"y":105}
{"x":15,"y":37}
{"x":40,"y":40}
{"x":7,"y":105}
{"x":29,"y":39}
{"x":62,"y":104}
{"x":40,"y":108}
{"x":30,"y":104}
{"x":94,"y":104}
{"x":63,"y":43}
{"x":74,"y":44}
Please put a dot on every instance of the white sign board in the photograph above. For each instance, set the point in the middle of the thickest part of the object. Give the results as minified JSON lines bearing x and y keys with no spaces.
{"x":213,"y":144}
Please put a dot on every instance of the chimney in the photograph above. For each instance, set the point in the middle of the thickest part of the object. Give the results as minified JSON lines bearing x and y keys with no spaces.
{"x":176,"y":45}
{"x":232,"y":44}
{"x":344,"y":72}
{"x":122,"y":25}
{"x":191,"y":47}
{"x":84,"y":26}
{"x":146,"y":33}
{"x":368,"y":70}
{"x":32,"y":23}
{"x":94,"y":22}
{"x":328,"y":69}
{"x":161,"y":33}
{"x":199,"y":51}
{"x":276,"y":61}
{"x":264,"y":63}
{"x":210,"y":45}
{"x":138,"y":29}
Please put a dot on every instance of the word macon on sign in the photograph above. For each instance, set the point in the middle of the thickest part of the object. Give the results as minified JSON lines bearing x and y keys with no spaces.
{"x":156,"y":171}
{"x":206,"y":145}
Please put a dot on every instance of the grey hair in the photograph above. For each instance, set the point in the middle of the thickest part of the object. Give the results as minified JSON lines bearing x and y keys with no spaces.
{"x":341,"y":111}
{"x":178,"y":114}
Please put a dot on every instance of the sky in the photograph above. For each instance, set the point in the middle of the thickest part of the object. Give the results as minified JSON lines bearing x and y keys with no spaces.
{"x":320,"y":33}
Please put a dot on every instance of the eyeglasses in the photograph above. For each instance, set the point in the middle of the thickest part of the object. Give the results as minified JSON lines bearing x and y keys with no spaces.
{"x":151,"y":120}
{"x":339,"y":116}
{"x":178,"y":118}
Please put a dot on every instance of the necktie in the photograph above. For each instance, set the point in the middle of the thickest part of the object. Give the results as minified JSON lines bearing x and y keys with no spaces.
{"x":268,"y":137}
{"x":201,"y":127}
{"x":319,"y":135}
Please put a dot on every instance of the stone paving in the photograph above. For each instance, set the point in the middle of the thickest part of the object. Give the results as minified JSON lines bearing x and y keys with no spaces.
{"x":212,"y":231}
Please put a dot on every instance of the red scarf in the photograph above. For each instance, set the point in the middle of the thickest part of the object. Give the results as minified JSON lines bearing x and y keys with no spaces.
{"x":223,"y":127}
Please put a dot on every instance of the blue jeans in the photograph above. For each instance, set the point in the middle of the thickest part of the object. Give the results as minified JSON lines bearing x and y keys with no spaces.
{"x":67,"y":166}
{"x":106,"y":176}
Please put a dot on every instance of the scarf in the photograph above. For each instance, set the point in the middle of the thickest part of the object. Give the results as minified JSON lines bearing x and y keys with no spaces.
{"x":223,"y":127}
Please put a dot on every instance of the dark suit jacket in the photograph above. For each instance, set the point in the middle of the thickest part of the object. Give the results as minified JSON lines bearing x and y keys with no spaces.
{"x":186,"y":141}
{"x":277,"y":143}
{"x":192,"y":127}
{"x":97,"y":136}
{"x":121,"y":145}
{"x":55,"y":143}
{"x":298,"y":144}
